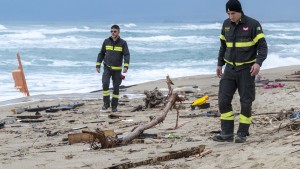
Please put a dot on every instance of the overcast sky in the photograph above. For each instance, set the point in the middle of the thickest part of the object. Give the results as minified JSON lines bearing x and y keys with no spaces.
{"x":143,"y":10}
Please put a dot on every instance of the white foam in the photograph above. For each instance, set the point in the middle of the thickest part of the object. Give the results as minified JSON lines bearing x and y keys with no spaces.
{"x":27,"y":35}
{"x":173,"y":39}
{"x":130,"y":25}
{"x":274,"y":60}
{"x":214,"y":26}
{"x":2,"y":27}
{"x":283,"y":36}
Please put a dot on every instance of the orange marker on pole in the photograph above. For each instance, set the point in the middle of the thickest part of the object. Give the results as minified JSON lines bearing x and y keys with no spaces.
{"x":19,"y":78}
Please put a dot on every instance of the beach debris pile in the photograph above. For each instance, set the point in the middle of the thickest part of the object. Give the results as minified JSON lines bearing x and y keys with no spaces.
{"x":154,"y":98}
{"x":286,"y":119}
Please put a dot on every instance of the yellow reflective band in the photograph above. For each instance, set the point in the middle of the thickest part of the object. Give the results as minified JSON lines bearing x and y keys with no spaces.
{"x":109,"y":47}
{"x":229,"y":44}
{"x":119,"y":49}
{"x":239,"y":63}
{"x":115,"y":96}
{"x":106,"y":92}
{"x":222,"y":37}
{"x":116,"y":67}
{"x":258,"y":37}
{"x":245,"y":120}
{"x":126,"y":64}
{"x":98,"y":63}
{"x":246,"y":44}
{"x":227,"y":116}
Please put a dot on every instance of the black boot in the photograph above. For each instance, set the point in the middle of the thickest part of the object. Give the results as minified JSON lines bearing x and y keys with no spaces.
{"x":226,"y":134}
{"x":114,"y":104}
{"x":242,"y":133}
{"x":106,"y":101}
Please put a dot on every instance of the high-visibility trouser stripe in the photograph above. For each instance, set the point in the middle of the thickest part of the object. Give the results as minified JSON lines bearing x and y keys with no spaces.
{"x":227,"y":116}
{"x":106,"y":92}
{"x":98,"y":63}
{"x":222,"y":37}
{"x":126,"y":64}
{"x":115,"y":96}
{"x":239,"y":63}
{"x":245,"y":44}
{"x":245,"y":120}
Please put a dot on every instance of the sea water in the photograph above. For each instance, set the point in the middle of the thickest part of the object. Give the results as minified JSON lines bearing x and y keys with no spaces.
{"x":60,"y":58}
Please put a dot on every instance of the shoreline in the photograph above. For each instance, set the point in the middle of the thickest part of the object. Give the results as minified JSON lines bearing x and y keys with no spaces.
{"x":140,"y":87}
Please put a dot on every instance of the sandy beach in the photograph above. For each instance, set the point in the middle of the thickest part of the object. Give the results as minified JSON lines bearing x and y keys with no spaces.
{"x":45,"y":144}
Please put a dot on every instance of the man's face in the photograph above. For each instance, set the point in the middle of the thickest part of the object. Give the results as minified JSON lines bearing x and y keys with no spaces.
{"x":234,"y":16}
{"x":115,"y":33}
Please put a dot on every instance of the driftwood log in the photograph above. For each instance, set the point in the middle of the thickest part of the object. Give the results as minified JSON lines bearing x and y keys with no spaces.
{"x":113,"y":142}
{"x":172,"y":155}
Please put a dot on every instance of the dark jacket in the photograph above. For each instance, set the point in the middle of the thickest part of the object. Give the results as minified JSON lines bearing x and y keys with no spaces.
{"x":242,"y":44}
{"x":112,"y":54}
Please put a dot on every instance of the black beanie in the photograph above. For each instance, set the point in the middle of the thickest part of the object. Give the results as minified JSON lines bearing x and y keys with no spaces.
{"x":234,"y":5}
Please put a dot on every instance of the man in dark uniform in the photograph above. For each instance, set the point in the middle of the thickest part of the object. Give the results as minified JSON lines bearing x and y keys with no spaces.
{"x":243,"y":50}
{"x":114,"y":50}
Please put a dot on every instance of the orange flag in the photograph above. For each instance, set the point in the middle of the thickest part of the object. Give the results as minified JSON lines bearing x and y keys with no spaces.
{"x":19,"y":78}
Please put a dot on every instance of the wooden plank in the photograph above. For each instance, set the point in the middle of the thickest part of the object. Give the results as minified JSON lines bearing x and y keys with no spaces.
{"x":79,"y":138}
{"x":174,"y":155}
{"x":86,"y":136}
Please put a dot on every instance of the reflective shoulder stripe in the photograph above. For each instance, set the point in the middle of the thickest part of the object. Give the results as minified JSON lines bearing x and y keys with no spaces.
{"x":126,"y":64}
{"x":258,"y":37}
{"x":222,"y":37}
{"x":118,"y":48}
{"x":245,"y":120}
{"x":227,"y":116}
{"x":109,"y":47}
{"x":98,"y":63}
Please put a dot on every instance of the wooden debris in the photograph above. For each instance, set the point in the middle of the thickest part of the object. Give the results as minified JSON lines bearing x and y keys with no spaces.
{"x":78,"y":128}
{"x":153,"y":98}
{"x":116,"y":116}
{"x":32,"y":120}
{"x":86,"y":136}
{"x":170,"y":156}
{"x":116,"y":121}
{"x":28,"y":117}
{"x":97,"y":121}
{"x":138,"y":108}
{"x":199,"y":155}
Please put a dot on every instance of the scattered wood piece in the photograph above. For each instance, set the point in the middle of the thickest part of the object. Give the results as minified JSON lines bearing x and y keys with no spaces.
{"x":97,"y":121}
{"x":138,"y":108}
{"x":79,"y":138}
{"x":27,"y":117}
{"x":32,"y":120}
{"x":69,"y":156}
{"x":199,"y":155}
{"x":173,"y":155}
{"x":295,"y":143}
{"x":116,"y":121}
{"x":116,"y":116}
{"x":78,"y":128}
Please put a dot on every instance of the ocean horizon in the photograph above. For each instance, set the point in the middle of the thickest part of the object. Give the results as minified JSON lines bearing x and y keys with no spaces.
{"x":60,"y":57}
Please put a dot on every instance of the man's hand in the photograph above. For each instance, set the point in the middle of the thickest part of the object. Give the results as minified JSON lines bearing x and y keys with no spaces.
{"x":219,"y":71}
{"x":255,"y":69}
{"x":98,"y":69}
{"x":125,"y":70}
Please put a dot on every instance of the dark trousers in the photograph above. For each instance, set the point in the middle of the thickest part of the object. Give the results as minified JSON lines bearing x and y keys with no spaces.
{"x":116,"y":78}
{"x":231,"y":81}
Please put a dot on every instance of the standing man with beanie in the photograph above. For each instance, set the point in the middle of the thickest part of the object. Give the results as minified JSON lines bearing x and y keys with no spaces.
{"x":243,"y":50}
{"x":114,"y":50}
